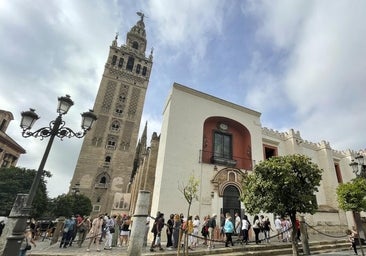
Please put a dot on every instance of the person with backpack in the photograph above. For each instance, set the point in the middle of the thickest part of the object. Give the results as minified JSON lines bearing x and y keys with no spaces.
{"x":157,"y":228}
{"x":204,"y":230}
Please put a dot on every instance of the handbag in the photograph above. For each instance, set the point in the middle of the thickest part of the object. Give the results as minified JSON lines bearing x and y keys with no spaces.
{"x":28,"y":247}
{"x":111,"y":230}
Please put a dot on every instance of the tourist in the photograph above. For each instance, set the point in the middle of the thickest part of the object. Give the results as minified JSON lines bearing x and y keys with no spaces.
{"x":228,"y":229}
{"x":278,"y":227}
{"x":196,"y":228}
{"x":245,"y":226}
{"x":256,"y":228}
{"x":211,"y":230}
{"x":95,"y":232}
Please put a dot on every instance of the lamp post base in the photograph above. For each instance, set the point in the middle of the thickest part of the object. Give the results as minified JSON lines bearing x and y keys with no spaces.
{"x":15,"y":226}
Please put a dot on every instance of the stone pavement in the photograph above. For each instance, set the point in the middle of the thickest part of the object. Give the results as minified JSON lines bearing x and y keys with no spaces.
{"x":45,"y":249}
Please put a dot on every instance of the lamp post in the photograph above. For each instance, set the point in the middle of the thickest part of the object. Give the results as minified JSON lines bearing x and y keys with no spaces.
{"x":359,"y":166}
{"x":359,"y":169}
{"x":55,"y":128}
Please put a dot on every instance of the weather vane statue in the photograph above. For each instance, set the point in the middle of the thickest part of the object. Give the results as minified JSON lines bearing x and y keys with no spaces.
{"x":141,"y":14}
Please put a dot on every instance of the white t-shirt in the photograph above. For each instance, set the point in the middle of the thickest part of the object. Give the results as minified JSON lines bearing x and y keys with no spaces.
{"x":196,"y":224}
{"x":244,"y":224}
{"x":278,"y":224}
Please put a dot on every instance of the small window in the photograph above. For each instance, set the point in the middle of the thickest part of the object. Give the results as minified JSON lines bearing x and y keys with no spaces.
{"x":107,"y":159}
{"x":111,"y":144}
{"x":269,"y":152}
{"x":130,"y":63}
{"x":114,"y":60}
{"x":115,"y":126}
{"x":135,"y":45}
{"x":103,"y":180}
{"x":120,"y":63}
{"x":144,"y":70}
{"x":138,"y":69}
{"x":96,"y":208}
{"x":338,"y":173}
{"x":119,"y":111}
{"x":122,"y":97}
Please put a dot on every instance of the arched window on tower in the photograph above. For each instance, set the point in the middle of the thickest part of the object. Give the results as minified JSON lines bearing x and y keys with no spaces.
{"x":111,"y":144}
{"x":122,"y":97}
{"x":135,"y":45}
{"x":115,"y":126}
{"x":138,"y":67}
{"x":114,"y":60}
{"x":119,"y":110}
{"x":120,"y":63}
{"x":144,"y":70}
{"x":107,"y":159}
{"x":130,"y":63}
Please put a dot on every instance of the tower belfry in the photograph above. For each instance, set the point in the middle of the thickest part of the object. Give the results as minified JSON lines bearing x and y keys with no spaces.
{"x":106,"y":158}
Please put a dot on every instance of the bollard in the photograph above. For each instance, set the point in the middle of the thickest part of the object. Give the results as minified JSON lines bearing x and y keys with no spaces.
{"x":139,"y":224}
{"x":304,"y":236}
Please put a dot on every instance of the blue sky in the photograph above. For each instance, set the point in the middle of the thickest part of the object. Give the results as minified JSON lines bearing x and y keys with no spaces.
{"x":300,"y":63}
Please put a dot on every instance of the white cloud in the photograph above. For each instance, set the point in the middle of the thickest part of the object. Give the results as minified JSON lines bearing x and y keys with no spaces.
{"x":300,"y":63}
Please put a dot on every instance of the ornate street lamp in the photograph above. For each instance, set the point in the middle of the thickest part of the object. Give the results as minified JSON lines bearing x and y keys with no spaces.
{"x":359,"y":169}
{"x":55,"y":128}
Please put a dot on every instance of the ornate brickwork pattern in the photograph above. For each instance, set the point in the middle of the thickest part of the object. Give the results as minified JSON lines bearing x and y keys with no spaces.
{"x":126,"y":136}
{"x":133,"y":102}
{"x":108,"y":97}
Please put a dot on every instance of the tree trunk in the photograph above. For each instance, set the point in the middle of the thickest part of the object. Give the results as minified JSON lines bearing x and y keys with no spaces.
{"x":295,"y":251}
{"x":186,"y":232}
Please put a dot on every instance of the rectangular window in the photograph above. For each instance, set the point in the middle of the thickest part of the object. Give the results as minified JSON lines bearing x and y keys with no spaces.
{"x":338,"y":173}
{"x":222,"y":145}
{"x":114,"y":60}
{"x":96,"y":208}
{"x":269,"y":151}
{"x":130,"y":63}
{"x":120,"y":63}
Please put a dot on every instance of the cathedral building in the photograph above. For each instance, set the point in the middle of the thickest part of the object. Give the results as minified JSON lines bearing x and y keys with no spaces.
{"x":10,"y":150}
{"x":107,"y":157}
{"x":219,"y":143}
{"x":216,"y":141}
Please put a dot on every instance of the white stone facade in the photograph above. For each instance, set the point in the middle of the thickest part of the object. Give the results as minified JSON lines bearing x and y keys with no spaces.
{"x":183,"y":139}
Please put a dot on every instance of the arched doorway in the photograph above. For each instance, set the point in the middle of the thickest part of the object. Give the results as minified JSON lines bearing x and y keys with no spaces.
{"x":231,"y":201}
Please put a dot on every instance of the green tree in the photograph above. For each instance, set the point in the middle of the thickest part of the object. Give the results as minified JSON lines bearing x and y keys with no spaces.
{"x":285,"y":185}
{"x":351,"y":196}
{"x":14,"y":180}
{"x":190,"y":193}
{"x":68,"y":204}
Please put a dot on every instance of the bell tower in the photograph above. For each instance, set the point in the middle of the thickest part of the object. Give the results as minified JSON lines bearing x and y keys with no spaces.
{"x":106,"y":158}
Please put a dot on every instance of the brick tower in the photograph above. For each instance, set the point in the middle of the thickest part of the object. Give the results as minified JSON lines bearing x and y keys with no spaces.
{"x":106,"y":159}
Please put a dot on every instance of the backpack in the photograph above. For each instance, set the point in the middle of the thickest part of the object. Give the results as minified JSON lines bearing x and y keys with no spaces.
{"x":153,"y":229}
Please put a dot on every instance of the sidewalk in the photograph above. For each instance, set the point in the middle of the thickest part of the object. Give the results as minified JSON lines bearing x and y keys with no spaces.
{"x":45,"y":249}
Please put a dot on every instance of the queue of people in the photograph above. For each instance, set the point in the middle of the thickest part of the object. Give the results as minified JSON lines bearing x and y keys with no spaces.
{"x":180,"y":231}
